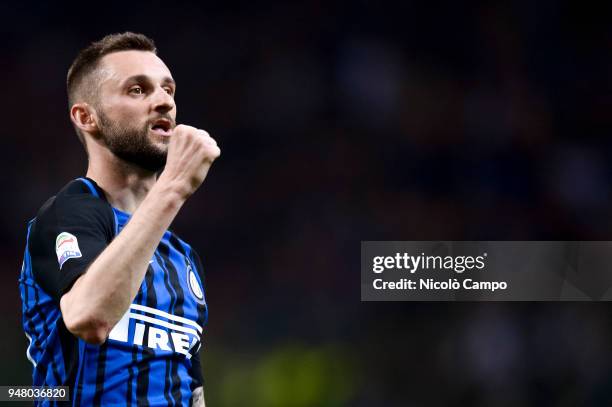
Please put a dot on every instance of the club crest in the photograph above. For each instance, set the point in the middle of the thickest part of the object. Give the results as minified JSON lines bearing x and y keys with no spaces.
{"x":192,"y":281}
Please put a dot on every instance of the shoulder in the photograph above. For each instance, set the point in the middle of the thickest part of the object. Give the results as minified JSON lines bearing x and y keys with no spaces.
{"x":182,"y":246}
{"x":195,"y":260}
{"x":187,"y":251}
{"x":75,"y":204}
{"x":74,"y":195}
{"x":74,"y":225}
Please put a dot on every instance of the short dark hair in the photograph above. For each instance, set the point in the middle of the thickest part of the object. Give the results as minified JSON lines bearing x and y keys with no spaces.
{"x":88,"y":59}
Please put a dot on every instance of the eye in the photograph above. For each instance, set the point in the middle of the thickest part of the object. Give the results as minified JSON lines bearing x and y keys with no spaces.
{"x":136,"y":90}
{"x":169,"y":91}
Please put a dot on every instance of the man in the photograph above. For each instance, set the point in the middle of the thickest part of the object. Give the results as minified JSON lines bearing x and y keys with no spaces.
{"x":113,"y":302}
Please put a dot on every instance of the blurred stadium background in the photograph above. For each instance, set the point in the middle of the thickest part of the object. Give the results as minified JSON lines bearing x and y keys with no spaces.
{"x":341,"y":122}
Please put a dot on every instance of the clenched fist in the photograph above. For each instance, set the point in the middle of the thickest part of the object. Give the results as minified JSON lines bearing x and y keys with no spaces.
{"x":191,"y":152}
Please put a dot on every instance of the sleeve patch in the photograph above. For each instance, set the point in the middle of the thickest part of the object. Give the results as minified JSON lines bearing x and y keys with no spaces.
{"x":66,"y":247}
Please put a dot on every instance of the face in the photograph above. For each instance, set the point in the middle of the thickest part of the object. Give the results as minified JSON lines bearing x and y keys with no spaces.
{"x":135,"y":107}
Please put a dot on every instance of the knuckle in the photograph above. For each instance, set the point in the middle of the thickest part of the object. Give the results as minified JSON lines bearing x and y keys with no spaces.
{"x":185,"y":129}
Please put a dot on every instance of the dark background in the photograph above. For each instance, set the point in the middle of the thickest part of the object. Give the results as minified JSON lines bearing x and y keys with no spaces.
{"x":341,"y":122}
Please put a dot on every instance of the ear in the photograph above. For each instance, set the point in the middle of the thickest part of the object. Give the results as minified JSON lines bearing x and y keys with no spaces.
{"x":83,"y":116}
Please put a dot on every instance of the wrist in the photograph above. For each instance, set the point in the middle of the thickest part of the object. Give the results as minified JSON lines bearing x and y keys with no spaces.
{"x":171,"y":192}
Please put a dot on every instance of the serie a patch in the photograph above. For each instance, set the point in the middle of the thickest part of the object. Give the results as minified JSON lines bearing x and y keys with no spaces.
{"x":66,"y":247}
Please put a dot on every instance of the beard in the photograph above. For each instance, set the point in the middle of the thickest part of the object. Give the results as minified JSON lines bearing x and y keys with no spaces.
{"x":132,"y":144}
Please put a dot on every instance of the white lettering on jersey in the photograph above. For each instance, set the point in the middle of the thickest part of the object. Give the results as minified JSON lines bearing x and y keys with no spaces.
{"x":178,"y":338}
{"x":138,"y":334}
{"x":158,"y":338}
{"x":181,"y":342}
{"x":120,"y":330}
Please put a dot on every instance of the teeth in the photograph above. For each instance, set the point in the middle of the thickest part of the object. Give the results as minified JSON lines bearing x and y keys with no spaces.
{"x":159,"y":128}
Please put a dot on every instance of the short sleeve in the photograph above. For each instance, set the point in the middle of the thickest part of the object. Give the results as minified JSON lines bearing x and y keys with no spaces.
{"x":198,"y":263}
{"x":196,"y":371}
{"x":196,"y":368}
{"x":69,"y":232}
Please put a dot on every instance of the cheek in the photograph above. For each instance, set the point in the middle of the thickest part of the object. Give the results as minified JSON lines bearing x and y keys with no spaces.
{"x":127,"y":116}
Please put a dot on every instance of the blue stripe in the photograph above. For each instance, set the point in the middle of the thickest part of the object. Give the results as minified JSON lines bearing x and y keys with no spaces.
{"x":121,"y":218}
{"x":140,"y":354}
{"x":27,"y":251}
{"x":178,"y":298}
{"x":171,"y":295}
{"x":91,"y":187}
{"x":116,"y":222}
{"x":25,"y":286}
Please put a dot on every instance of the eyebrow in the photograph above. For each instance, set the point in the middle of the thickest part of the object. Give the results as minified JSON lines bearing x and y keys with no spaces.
{"x":145,"y":78}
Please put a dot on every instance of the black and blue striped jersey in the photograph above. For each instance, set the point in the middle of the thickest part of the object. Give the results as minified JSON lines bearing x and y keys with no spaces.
{"x":151,"y":357}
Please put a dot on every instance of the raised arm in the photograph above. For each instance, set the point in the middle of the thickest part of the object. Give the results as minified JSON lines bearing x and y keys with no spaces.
{"x":100,"y":297}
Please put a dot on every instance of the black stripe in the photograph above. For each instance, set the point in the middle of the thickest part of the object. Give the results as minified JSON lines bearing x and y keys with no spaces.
{"x":135,"y":361}
{"x":79,"y":388}
{"x":178,"y":310}
{"x":144,"y":366}
{"x":54,"y":370}
{"x":44,"y":328}
{"x":101,"y":367}
{"x":167,"y":376}
{"x":129,"y":395}
{"x":70,"y":351}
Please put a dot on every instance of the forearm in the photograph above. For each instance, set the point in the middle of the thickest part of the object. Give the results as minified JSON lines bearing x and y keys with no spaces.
{"x":101,"y":296}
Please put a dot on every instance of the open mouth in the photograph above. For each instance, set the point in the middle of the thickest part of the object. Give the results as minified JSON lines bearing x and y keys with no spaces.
{"x":162,"y":127}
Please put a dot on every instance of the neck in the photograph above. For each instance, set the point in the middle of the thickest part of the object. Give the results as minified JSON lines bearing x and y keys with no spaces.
{"x":125,"y":184}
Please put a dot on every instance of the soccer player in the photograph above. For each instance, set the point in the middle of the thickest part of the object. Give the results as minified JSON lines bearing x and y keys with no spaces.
{"x":113,"y":301}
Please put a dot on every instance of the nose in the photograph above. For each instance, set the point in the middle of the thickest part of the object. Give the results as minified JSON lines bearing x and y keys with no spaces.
{"x":162,"y":102}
